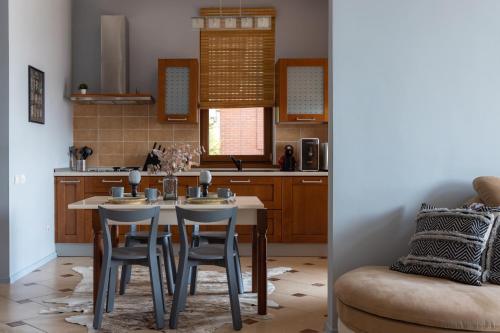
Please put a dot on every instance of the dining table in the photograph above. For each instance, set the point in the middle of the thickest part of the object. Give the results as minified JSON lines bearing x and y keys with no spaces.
{"x":251,"y":212}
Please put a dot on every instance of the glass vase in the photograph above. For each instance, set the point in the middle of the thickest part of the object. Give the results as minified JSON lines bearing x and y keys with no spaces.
{"x":170,"y":184}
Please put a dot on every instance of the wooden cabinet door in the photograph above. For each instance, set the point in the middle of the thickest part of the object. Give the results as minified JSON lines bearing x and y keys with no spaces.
{"x":302,"y":90}
{"x":178,"y":90}
{"x":267,"y":189}
{"x":305,"y":209}
{"x":70,"y":224}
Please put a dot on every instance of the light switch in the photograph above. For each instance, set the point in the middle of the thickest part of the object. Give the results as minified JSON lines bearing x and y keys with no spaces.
{"x":19,"y":179}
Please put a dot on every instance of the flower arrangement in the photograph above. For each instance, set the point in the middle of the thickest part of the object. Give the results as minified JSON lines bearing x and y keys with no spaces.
{"x":176,"y":158}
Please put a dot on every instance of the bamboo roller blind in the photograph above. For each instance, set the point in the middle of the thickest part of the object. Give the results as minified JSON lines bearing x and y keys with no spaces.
{"x":237,"y":66}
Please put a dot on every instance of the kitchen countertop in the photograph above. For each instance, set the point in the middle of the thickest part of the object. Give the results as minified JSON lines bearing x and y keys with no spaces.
{"x":66,"y":172}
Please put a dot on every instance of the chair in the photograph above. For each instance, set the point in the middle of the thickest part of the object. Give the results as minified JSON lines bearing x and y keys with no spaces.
{"x":164,"y":239}
{"x":206,"y":254}
{"x":214,"y":237}
{"x":114,"y":257}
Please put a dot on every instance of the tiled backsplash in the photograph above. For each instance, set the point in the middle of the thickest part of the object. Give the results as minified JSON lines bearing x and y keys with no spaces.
{"x":123,"y":135}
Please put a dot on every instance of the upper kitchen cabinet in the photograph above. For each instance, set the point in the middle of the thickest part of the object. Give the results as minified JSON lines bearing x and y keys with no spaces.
{"x":302,"y":90}
{"x":178,"y":90}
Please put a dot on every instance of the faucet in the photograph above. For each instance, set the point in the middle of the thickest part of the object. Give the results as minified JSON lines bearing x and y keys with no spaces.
{"x":238,"y":163}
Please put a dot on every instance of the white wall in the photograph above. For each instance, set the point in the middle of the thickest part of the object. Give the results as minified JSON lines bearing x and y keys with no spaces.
{"x":162,"y":29}
{"x":4,"y":138}
{"x":39,"y":35}
{"x":416,"y":117}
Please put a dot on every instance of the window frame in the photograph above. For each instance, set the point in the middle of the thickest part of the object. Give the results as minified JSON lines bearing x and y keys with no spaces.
{"x":248,"y":160}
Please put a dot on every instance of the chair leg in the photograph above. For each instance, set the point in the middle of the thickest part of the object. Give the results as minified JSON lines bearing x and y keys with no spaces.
{"x":113,"y":275}
{"x":167,"y":264}
{"x":154,"y":275}
{"x":161,"y":286}
{"x":233,"y":293}
{"x":126,"y":270}
{"x":172,"y":257}
{"x":237,"y":266}
{"x":180,"y":293}
{"x":192,"y":283}
{"x":101,"y":294}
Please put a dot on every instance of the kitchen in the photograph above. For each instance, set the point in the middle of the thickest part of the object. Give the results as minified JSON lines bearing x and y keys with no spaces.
{"x":144,"y":84}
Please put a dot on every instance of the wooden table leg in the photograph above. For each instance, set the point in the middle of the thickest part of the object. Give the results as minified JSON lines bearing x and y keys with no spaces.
{"x":254,"y":259}
{"x":262,"y":261}
{"x":98,"y":252}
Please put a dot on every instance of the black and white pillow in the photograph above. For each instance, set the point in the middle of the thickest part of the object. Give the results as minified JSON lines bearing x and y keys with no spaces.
{"x":491,"y":257}
{"x":448,"y":243}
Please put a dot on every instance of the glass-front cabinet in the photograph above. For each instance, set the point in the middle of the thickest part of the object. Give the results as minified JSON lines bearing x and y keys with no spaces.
{"x":302,"y":90}
{"x":178,"y":90}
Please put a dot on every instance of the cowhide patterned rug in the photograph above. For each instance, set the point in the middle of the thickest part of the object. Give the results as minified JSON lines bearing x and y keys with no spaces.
{"x":205,"y":312}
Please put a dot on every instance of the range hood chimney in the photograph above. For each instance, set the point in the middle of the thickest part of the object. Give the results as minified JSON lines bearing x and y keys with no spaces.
{"x":114,"y":67}
{"x":114,"y":54}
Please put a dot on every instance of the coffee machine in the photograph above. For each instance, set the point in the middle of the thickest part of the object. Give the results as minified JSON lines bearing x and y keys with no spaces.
{"x":309,"y":154}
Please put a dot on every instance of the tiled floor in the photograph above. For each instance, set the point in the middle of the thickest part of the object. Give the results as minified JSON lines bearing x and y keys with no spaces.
{"x":301,"y":293}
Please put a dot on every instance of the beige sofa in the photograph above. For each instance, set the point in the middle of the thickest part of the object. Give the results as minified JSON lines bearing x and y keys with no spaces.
{"x":375,"y":299}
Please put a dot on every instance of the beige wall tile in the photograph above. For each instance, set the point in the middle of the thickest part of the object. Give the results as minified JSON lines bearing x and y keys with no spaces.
{"x":135,"y":122}
{"x":111,"y":160}
{"x":155,"y":124}
{"x":193,"y":127}
{"x":135,"y":111}
{"x":315,"y":131}
{"x":136,"y":148}
{"x":110,"y":122}
{"x":109,"y":110}
{"x":135,"y":135}
{"x":186,"y":135}
{"x":110,"y":147}
{"x":84,"y":123}
{"x":110,"y":135}
{"x":135,"y":160}
{"x":287,"y":133}
{"x":85,"y":135}
{"x":84,"y":110}
{"x":166,"y":134}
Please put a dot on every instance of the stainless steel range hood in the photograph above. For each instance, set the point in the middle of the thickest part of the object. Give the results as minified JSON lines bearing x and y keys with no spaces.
{"x":114,"y":67}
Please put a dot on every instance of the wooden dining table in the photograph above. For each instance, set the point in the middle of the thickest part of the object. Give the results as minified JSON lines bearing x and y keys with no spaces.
{"x":251,"y":211}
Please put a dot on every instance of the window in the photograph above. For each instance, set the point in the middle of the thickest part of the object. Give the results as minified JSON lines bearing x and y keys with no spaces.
{"x":242,"y":132}
{"x":237,"y":90}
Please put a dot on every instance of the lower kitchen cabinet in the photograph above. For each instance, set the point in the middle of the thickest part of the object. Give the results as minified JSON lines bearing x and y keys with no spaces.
{"x":297,"y":206}
{"x":70,"y":224}
{"x":305,"y":209}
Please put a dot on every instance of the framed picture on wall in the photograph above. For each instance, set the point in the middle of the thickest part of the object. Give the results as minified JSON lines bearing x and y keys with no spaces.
{"x":36,"y":81}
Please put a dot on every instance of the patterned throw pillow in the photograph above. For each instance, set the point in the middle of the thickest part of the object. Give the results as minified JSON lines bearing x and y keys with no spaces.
{"x":491,"y":257}
{"x":448,"y":243}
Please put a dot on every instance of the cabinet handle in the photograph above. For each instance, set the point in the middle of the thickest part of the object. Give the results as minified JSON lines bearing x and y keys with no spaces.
{"x":312,"y":181}
{"x":112,"y":181}
{"x":240,"y":181}
{"x":69,"y":181}
{"x":160,"y":181}
{"x":305,"y":119}
{"x":177,"y":119}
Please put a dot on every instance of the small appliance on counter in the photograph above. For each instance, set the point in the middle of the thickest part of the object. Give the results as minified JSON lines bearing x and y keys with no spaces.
{"x":287,"y":160}
{"x":324,"y":156}
{"x":309,"y":154}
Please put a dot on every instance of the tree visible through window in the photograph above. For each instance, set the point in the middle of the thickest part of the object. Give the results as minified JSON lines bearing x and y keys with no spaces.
{"x":237,"y":131}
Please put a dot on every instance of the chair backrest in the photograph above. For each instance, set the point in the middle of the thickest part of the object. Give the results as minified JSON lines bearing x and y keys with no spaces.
{"x":207,"y":217}
{"x":132,"y":217}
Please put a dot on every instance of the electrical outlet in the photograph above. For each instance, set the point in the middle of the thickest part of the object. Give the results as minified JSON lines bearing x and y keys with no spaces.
{"x":47,"y":227}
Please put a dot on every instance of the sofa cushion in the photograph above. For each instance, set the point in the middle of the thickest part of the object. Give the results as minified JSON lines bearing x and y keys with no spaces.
{"x":421,"y":300}
{"x":448,"y":243}
{"x":488,"y":189}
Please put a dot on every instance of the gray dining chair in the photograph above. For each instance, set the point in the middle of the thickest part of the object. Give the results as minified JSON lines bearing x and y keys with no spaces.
{"x":213,"y":237}
{"x":148,"y":256}
{"x":164,"y":239}
{"x":206,"y":254}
